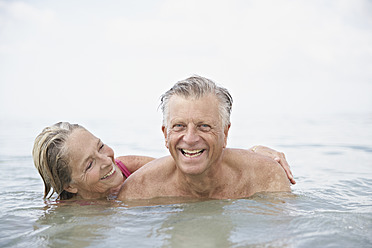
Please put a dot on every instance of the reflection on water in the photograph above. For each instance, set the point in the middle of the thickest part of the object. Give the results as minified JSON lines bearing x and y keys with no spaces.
{"x":331,"y":205}
{"x":213,"y":223}
{"x":72,"y":224}
{"x":202,"y":223}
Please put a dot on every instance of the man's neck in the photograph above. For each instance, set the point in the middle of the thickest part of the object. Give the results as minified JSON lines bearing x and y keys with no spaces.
{"x":203,"y":185}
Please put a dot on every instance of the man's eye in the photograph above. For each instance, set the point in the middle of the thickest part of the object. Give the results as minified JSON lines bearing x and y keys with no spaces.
{"x":205,"y":127}
{"x":100,"y":148}
{"x":177,"y":127}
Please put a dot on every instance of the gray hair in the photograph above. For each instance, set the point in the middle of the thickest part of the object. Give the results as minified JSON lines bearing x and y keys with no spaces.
{"x":197,"y":87}
{"x":51,"y":159}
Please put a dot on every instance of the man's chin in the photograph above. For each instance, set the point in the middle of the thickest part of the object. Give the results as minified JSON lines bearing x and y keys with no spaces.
{"x":192,"y":169}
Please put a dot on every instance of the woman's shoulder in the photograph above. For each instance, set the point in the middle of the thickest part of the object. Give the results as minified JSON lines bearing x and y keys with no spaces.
{"x":134,"y":162}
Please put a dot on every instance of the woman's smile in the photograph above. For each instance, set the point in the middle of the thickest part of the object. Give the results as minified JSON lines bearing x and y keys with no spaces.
{"x":109,"y":174}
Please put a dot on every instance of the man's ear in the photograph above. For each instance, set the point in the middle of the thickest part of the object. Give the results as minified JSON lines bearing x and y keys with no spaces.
{"x":71,"y":189}
{"x":226,"y":132}
{"x":165,"y":132}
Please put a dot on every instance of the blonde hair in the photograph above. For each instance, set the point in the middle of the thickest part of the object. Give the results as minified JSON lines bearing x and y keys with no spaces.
{"x":51,"y":159}
{"x":196,"y":87}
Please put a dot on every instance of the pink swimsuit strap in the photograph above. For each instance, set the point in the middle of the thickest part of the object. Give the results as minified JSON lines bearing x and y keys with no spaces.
{"x":123,"y":168}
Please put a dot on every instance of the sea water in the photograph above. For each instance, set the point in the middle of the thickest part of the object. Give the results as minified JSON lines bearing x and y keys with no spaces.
{"x":330,"y":206}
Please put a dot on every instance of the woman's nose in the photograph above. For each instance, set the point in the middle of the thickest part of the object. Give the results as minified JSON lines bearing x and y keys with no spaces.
{"x":104,"y":159}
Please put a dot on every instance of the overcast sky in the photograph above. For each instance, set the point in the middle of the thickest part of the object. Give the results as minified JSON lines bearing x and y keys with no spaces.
{"x":95,"y":59}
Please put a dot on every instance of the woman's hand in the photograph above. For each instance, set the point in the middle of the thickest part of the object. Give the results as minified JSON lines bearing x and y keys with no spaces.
{"x":277,"y":156}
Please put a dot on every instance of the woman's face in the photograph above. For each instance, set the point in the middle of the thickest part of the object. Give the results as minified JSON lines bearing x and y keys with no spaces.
{"x":93,"y":170}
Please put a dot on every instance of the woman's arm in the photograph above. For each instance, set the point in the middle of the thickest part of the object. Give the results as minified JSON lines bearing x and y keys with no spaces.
{"x":277,"y":156}
{"x":133,"y":162}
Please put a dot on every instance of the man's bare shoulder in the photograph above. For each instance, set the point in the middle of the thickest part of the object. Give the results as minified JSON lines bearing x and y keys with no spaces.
{"x":242,"y":158}
{"x":262,"y":172}
{"x":155,"y":169}
{"x":146,"y":180}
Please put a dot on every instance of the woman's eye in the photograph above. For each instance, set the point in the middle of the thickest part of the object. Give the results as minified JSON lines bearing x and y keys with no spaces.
{"x":100,"y":148}
{"x":89,"y":166}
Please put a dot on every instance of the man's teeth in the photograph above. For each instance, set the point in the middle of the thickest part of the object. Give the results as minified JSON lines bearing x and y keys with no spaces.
{"x":192,"y":153}
{"x":109,"y":174}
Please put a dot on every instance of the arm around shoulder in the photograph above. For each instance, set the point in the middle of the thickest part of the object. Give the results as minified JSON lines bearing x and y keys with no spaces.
{"x":275,"y":177}
{"x":133,"y":162}
{"x":266,"y":173}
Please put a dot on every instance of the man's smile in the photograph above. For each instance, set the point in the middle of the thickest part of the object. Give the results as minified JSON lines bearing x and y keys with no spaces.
{"x":192,"y":153}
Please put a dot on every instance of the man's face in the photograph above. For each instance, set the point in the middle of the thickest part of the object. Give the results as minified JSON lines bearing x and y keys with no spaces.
{"x":195,"y":136}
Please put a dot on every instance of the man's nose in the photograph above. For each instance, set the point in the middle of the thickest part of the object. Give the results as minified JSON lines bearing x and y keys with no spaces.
{"x":191,"y":136}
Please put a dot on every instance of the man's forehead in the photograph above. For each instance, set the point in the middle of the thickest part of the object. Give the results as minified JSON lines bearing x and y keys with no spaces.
{"x":197,"y":109}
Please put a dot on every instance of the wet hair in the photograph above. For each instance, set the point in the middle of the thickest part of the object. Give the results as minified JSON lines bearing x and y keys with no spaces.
{"x":51,"y":159}
{"x":196,"y":87}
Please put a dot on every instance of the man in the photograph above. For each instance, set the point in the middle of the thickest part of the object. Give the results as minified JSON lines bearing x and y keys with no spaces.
{"x":196,"y":122}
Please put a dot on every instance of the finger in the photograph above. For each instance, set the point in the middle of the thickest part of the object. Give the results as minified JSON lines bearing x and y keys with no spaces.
{"x":285,"y":166}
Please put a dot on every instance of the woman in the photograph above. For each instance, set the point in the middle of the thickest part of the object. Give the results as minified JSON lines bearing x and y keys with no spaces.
{"x":75,"y":164}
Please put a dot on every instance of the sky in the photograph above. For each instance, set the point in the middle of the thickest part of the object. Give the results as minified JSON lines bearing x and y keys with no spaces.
{"x":69,"y":60}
